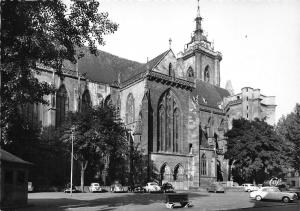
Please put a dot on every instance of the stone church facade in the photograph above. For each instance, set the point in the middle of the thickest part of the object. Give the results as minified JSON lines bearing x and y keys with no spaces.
{"x":172,"y":105}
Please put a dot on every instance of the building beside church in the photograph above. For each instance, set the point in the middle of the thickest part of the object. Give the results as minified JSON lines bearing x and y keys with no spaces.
{"x":13,"y":181}
{"x":250,"y":104}
{"x":173,"y":106}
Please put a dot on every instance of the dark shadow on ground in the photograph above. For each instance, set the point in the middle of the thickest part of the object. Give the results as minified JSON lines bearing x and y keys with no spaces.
{"x":109,"y":203}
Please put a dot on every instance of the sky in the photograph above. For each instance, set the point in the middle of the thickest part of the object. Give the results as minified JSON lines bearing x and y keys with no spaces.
{"x":259,"y":39}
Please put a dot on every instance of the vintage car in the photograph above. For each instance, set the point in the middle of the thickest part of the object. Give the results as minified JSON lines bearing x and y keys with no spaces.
{"x":152,"y":187}
{"x":95,"y":187}
{"x":216,"y":188}
{"x":167,"y":188}
{"x":248,"y":187}
{"x":272,"y":193}
{"x":118,"y":188}
{"x":294,"y":190}
{"x":68,"y":189}
{"x":137,"y":189}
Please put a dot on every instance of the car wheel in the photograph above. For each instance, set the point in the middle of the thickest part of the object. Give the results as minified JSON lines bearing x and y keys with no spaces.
{"x":258,"y":198}
{"x":286,"y":199}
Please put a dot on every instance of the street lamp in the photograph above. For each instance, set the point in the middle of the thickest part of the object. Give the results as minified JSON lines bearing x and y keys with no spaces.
{"x":72,"y":140}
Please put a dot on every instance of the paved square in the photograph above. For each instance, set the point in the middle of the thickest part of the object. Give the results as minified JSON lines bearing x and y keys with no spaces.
{"x":129,"y":201}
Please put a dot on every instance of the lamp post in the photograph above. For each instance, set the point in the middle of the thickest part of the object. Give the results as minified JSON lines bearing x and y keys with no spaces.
{"x":72,"y":151}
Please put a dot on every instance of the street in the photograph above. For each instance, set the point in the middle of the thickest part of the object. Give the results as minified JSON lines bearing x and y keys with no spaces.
{"x":129,"y":201}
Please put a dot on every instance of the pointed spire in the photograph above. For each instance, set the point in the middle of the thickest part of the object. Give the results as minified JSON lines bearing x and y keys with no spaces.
{"x":198,"y":10}
{"x":198,"y":19}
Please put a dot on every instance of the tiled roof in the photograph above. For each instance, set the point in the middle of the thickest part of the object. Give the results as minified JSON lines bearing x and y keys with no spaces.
{"x":153,"y":62}
{"x":209,"y":95}
{"x":8,"y":157}
{"x":104,"y":67}
{"x":149,"y":65}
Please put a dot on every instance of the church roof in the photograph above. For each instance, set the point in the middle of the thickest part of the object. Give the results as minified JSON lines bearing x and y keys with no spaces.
{"x":8,"y":157}
{"x":104,"y":67}
{"x":209,"y":95}
{"x":149,"y":65}
{"x":154,"y":62}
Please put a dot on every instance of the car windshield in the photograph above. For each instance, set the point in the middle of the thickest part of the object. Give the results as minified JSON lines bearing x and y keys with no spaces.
{"x":152,"y":183}
{"x":96,"y":184}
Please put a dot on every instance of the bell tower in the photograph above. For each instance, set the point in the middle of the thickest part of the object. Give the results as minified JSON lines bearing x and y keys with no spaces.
{"x":200,"y":55}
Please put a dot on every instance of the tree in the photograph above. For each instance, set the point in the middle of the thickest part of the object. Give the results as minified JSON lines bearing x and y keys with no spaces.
{"x":139,"y":165}
{"x":111,"y":133}
{"x":97,"y":136}
{"x":51,"y":165}
{"x":42,"y":32}
{"x":256,"y":151}
{"x":289,"y":129}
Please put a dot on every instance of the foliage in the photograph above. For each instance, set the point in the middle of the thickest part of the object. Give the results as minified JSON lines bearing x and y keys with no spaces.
{"x":289,"y":129}
{"x":256,"y":151}
{"x":98,"y":138}
{"x":44,"y":150}
{"x":51,"y":167}
{"x":139,"y":165}
{"x":42,"y":32}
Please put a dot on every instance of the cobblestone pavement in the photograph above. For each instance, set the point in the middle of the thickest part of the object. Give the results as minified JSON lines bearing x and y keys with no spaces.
{"x":129,"y":201}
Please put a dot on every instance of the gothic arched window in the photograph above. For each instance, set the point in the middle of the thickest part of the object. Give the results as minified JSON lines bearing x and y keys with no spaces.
{"x":108,"y":101}
{"x":170,"y":70}
{"x":203,"y":165}
{"x":176,"y":124}
{"x":178,"y":173}
{"x":86,"y":101}
{"x":30,"y":114}
{"x":62,"y":105}
{"x":130,"y":109}
{"x":169,"y":123}
{"x":206,"y":74}
{"x":162,"y":124}
{"x":190,"y":72}
{"x":165,"y":172}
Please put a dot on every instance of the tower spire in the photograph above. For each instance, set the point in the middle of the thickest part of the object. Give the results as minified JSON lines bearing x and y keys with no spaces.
{"x":199,"y":30}
{"x":198,"y":10}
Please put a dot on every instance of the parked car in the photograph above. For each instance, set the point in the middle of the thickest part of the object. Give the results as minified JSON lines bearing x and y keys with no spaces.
{"x":30,"y":187}
{"x":137,"y":189}
{"x":167,"y":188}
{"x":68,"y":189}
{"x":294,"y":190}
{"x":250,"y":187}
{"x":152,"y":187}
{"x":95,"y":187}
{"x":216,"y":188}
{"x":118,"y":188}
{"x":272,"y":193}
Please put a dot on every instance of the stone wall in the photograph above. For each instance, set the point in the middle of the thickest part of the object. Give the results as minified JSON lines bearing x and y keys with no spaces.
{"x":98,"y":92}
